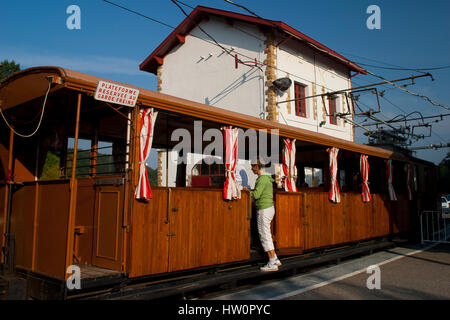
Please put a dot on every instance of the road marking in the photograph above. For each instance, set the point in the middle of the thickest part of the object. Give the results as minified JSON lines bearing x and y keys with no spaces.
{"x":324,"y":283}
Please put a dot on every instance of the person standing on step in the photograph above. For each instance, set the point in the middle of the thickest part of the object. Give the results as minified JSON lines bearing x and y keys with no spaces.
{"x":265,"y":211}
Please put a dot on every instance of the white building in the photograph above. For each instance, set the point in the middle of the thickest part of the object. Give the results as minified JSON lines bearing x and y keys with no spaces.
{"x":191,"y":65}
{"x":234,"y":66}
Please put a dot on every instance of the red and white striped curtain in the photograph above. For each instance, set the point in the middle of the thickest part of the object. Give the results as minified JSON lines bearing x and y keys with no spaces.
{"x":409,"y":179}
{"x":230,"y":188}
{"x":148,"y":118}
{"x":389,"y":175}
{"x":289,"y":165}
{"x":334,"y":194}
{"x":364,"y":167}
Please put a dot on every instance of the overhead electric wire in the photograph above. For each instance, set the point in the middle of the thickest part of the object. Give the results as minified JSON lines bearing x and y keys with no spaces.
{"x":378,"y":61}
{"x":409,"y":92}
{"x":176,"y":2}
{"x":240,"y":54}
{"x":405,"y":118}
{"x":393,"y":104}
{"x":185,"y":4}
{"x":377,"y":76}
{"x":139,"y":14}
{"x":244,"y":8}
{"x":440,"y":138}
{"x":404,"y":69}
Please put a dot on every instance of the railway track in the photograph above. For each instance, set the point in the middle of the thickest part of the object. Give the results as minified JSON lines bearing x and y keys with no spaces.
{"x":219,"y":279}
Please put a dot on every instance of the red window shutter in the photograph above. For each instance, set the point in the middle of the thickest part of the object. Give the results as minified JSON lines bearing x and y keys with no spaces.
{"x":300,"y":105}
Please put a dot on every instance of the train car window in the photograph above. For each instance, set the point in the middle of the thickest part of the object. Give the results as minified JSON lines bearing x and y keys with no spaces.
{"x":83,"y":157}
{"x":399,"y":181}
{"x":110,"y":158}
{"x":377,"y":173}
{"x":104,"y":159}
{"x":313,"y":177}
{"x":152,"y":167}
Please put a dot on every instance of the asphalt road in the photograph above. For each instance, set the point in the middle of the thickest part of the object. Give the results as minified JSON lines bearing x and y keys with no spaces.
{"x":405,"y":273}
{"x":424,"y":275}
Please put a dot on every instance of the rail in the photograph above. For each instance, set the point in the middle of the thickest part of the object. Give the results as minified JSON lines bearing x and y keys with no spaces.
{"x":92,"y":162}
{"x":434,"y":226}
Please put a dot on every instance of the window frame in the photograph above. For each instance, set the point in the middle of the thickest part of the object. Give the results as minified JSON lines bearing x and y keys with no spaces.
{"x":332,"y":101}
{"x":300,"y":104}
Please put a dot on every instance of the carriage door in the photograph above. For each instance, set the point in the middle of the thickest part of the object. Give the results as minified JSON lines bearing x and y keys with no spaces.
{"x":108,"y":231}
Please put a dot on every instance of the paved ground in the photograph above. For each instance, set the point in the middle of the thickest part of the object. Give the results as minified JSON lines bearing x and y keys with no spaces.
{"x":407,"y":272}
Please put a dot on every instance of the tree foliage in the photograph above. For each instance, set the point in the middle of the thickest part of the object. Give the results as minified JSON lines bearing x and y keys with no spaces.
{"x":7,"y":68}
{"x":152,"y":176}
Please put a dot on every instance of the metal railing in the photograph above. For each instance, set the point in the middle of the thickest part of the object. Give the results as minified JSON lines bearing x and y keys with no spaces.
{"x":91,"y":160}
{"x":435,"y":226}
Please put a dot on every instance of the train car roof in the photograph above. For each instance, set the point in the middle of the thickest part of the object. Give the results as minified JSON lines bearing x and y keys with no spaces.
{"x":35,"y":80}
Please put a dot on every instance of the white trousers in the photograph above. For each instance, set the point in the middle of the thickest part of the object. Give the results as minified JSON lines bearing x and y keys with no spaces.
{"x":264,"y":218}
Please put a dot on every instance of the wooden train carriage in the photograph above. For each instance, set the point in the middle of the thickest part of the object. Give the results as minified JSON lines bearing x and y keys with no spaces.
{"x":67,"y":192}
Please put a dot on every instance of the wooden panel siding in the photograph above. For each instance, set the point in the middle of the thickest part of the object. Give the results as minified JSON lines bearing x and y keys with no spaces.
{"x":52,"y":221}
{"x":202,"y":229}
{"x":319,"y":220}
{"x":400,"y":214}
{"x":22,"y":223}
{"x":149,"y":243}
{"x":85,"y":218}
{"x":309,"y":220}
{"x":39,"y":221}
{"x":359,"y":217}
{"x":289,"y":211}
{"x":381,"y":215}
{"x":108,"y":231}
{"x":206,"y":230}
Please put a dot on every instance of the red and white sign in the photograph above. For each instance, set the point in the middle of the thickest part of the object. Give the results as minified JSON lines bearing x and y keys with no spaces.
{"x":117,"y":94}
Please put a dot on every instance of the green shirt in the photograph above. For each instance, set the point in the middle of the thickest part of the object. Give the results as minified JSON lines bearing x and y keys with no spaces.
{"x":263,"y":192}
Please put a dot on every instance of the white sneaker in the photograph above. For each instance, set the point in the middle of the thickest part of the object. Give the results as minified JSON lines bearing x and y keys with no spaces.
{"x":269,"y":267}
{"x":278,"y":262}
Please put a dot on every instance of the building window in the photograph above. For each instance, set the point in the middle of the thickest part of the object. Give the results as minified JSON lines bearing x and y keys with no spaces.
{"x":300,"y":105}
{"x":332,"y":109}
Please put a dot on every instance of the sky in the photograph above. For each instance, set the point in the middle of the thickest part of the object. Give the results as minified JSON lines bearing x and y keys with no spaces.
{"x":112,"y":43}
